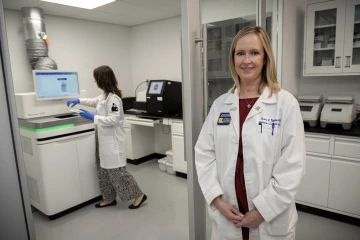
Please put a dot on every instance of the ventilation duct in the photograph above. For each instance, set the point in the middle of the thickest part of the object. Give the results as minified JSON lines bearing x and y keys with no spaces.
{"x":36,"y":46}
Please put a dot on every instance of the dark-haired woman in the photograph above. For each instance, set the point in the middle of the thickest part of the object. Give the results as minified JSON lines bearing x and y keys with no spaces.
{"x":110,"y":141}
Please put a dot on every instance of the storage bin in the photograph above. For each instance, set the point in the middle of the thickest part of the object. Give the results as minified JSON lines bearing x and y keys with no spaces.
{"x":170,"y":169}
{"x":317,"y":44}
{"x":162,"y":164}
{"x":327,"y":62}
{"x":169,"y":156}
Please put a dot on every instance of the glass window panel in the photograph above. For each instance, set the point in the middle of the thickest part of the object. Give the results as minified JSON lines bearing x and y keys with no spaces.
{"x":324,"y":37}
{"x":356,"y":38}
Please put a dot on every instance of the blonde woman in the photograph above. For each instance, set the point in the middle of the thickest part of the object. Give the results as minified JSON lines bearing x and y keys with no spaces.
{"x":250,"y":155}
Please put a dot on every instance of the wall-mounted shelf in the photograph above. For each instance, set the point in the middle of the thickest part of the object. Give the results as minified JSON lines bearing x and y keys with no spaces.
{"x":324,"y":49}
{"x":325,"y":26}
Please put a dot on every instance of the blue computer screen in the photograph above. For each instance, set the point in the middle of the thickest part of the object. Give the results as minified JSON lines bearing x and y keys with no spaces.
{"x":56,"y":84}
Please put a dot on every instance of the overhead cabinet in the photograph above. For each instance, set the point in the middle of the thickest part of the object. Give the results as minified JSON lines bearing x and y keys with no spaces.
{"x":332,"y":38}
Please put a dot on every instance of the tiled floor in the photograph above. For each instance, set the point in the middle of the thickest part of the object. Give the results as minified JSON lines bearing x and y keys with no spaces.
{"x":163,"y":217}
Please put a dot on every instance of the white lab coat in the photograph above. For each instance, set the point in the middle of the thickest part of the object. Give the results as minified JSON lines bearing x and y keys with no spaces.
{"x":111,"y":133}
{"x":274,"y":163}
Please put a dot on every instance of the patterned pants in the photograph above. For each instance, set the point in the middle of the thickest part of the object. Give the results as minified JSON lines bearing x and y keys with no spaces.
{"x":117,"y":181}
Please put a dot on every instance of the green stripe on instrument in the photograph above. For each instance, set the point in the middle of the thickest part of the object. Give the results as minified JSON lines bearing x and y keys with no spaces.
{"x":48,"y":128}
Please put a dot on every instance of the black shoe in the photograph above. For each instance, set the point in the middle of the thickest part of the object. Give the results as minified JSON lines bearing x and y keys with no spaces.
{"x":113,"y":203}
{"x":142,"y":200}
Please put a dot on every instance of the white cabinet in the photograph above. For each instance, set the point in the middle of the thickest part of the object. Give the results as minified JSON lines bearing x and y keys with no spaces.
{"x":344,"y":193}
{"x":352,"y":37}
{"x":129,"y":149}
{"x":332,"y":42}
{"x":332,"y":174}
{"x":139,"y":137}
{"x":315,"y":185}
{"x":179,"y":163}
{"x":59,"y":179}
{"x":347,"y":147}
{"x":317,"y":143}
{"x":87,"y":168}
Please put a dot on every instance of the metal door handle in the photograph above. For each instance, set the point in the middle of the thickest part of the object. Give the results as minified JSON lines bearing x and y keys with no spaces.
{"x":337,"y":62}
{"x":347,"y":61}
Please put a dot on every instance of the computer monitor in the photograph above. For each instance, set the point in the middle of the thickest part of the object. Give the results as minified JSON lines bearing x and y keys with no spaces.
{"x":55,"y":84}
{"x":155,"y":87}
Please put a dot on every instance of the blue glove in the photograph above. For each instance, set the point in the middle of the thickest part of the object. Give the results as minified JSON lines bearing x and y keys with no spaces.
{"x":87,"y":115}
{"x":73,"y":102}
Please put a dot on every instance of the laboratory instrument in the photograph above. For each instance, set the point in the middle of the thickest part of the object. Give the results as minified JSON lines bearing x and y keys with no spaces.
{"x":338,"y":110}
{"x":310,"y":107}
{"x":58,"y":149}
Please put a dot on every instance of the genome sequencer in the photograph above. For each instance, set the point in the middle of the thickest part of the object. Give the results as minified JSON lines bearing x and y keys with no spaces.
{"x":58,"y":148}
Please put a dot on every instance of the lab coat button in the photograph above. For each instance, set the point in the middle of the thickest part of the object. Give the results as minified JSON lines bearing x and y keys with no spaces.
{"x":244,"y":144}
{"x":247,"y":178}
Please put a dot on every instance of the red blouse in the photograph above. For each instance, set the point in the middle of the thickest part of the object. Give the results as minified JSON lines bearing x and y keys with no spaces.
{"x":240,"y":187}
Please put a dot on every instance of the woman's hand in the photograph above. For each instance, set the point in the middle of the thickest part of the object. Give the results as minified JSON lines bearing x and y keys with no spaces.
{"x":228,"y":210}
{"x":72,"y":102}
{"x":88,"y":115}
{"x":252,"y":219}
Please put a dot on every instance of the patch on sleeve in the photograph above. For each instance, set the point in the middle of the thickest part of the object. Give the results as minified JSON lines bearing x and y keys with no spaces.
{"x":224,"y":119}
{"x":114,"y":108}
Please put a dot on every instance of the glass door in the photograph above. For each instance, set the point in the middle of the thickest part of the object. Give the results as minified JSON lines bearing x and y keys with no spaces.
{"x":324,"y":37}
{"x":222,"y":20}
{"x":352,"y":37}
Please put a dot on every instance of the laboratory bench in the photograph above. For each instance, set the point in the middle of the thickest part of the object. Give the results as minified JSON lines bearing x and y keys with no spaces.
{"x":335,"y":130}
{"x":151,"y":136}
{"x":330,"y":186}
{"x":145,"y":115}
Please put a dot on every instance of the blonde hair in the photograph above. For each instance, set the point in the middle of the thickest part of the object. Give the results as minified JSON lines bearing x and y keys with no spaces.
{"x":268,"y":72}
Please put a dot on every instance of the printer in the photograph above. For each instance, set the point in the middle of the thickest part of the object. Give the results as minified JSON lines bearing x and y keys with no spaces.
{"x":164,"y":97}
{"x":338,"y":110}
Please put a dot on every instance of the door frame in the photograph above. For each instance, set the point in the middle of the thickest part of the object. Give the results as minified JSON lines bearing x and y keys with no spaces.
{"x":14,"y":167}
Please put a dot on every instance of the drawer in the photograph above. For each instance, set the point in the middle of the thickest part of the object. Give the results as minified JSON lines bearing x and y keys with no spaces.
{"x":347,"y":147}
{"x":317,"y":143}
{"x":141,"y":121}
{"x":177,"y":128}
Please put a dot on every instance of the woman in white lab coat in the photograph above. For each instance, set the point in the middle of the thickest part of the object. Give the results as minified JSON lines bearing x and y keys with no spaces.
{"x":110,"y":141}
{"x":250,"y":155}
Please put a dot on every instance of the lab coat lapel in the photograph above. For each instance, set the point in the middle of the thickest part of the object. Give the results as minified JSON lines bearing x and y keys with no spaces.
{"x":233,"y":99}
{"x":260,"y":103}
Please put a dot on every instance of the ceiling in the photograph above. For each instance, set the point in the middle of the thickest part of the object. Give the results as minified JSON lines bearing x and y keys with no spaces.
{"x":121,"y":12}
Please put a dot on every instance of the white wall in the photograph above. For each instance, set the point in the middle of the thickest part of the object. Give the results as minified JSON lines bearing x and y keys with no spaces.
{"x":292,"y":79}
{"x":75,"y":44}
{"x":293,"y":38}
{"x":156,"y":54}
{"x":156,"y":51}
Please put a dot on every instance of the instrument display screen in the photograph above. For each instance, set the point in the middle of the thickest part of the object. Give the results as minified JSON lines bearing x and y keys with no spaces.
{"x":336,"y":109}
{"x":306,"y":108}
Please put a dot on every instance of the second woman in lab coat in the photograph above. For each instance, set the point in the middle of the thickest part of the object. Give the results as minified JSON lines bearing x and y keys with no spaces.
{"x":110,"y":141}
{"x":250,"y":154}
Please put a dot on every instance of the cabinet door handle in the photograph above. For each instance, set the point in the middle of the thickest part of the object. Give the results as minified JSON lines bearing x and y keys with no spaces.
{"x":337,"y":62}
{"x":347,"y":61}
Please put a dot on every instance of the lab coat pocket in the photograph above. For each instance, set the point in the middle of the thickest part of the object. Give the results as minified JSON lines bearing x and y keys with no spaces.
{"x":283,"y":226}
{"x":108,"y":146}
{"x":267,"y":143}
